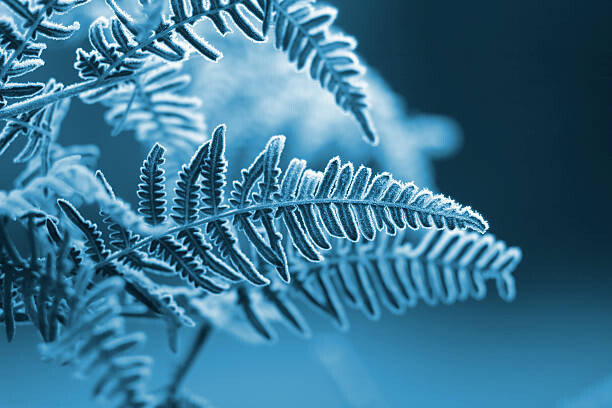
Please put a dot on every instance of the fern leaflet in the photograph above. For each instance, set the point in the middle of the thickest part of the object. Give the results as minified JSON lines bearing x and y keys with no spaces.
{"x":303,"y":30}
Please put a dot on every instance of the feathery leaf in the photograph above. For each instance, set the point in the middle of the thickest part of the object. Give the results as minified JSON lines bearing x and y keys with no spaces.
{"x":151,"y":189}
{"x":303,"y":31}
{"x":213,"y":174}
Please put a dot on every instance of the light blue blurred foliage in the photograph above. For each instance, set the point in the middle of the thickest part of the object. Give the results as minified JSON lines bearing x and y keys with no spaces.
{"x":237,"y":231}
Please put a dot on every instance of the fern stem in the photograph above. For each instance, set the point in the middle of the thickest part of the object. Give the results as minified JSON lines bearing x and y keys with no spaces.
{"x":146,"y":100}
{"x":190,"y":358}
{"x":69,"y":91}
{"x":28,"y":35}
{"x":267,"y":206}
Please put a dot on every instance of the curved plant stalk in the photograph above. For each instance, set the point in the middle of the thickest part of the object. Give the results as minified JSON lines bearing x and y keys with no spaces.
{"x":43,"y":100}
{"x":270,"y":206}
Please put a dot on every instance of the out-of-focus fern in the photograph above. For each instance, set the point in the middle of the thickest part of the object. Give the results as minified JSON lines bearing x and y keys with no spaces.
{"x":153,"y":108}
{"x":133,"y":38}
{"x":33,"y":287}
{"x":445,"y":267}
{"x":20,"y":55}
{"x":88,"y":156}
{"x":95,"y":343}
{"x":67,"y":177}
{"x":40,"y":126}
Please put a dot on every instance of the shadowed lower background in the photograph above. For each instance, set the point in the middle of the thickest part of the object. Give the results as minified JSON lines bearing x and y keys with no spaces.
{"x":530,"y":85}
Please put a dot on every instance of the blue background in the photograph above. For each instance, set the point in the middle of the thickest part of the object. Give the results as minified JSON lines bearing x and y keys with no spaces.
{"x":530,"y":84}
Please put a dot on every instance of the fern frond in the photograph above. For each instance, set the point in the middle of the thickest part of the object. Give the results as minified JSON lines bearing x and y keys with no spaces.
{"x":310,"y":204}
{"x":8,"y":276}
{"x":316,"y":209}
{"x":24,"y":52}
{"x":33,"y":288}
{"x":160,"y":301}
{"x":121,"y":238}
{"x":266,"y":167}
{"x":186,"y":210}
{"x":303,"y":30}
{"x":153,"y":105}
{"x":213,"y":174}
{"x":181,"y":259}
{"x":40,"y":126}
{"x":168,"y":38}
{"x":151,"y":189}
{"x":338,"y":203}
{"x":445,"y":267}
{"x":152,"y":206}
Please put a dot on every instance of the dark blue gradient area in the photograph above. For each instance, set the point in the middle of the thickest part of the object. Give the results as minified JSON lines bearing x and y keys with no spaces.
{"x":530,"y":84}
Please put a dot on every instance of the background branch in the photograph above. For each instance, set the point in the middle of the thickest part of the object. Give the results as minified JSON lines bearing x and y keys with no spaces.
{"x":181,"y":371}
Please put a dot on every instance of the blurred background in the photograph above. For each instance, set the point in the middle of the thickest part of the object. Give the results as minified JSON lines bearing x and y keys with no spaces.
{"x":529,"y":83}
